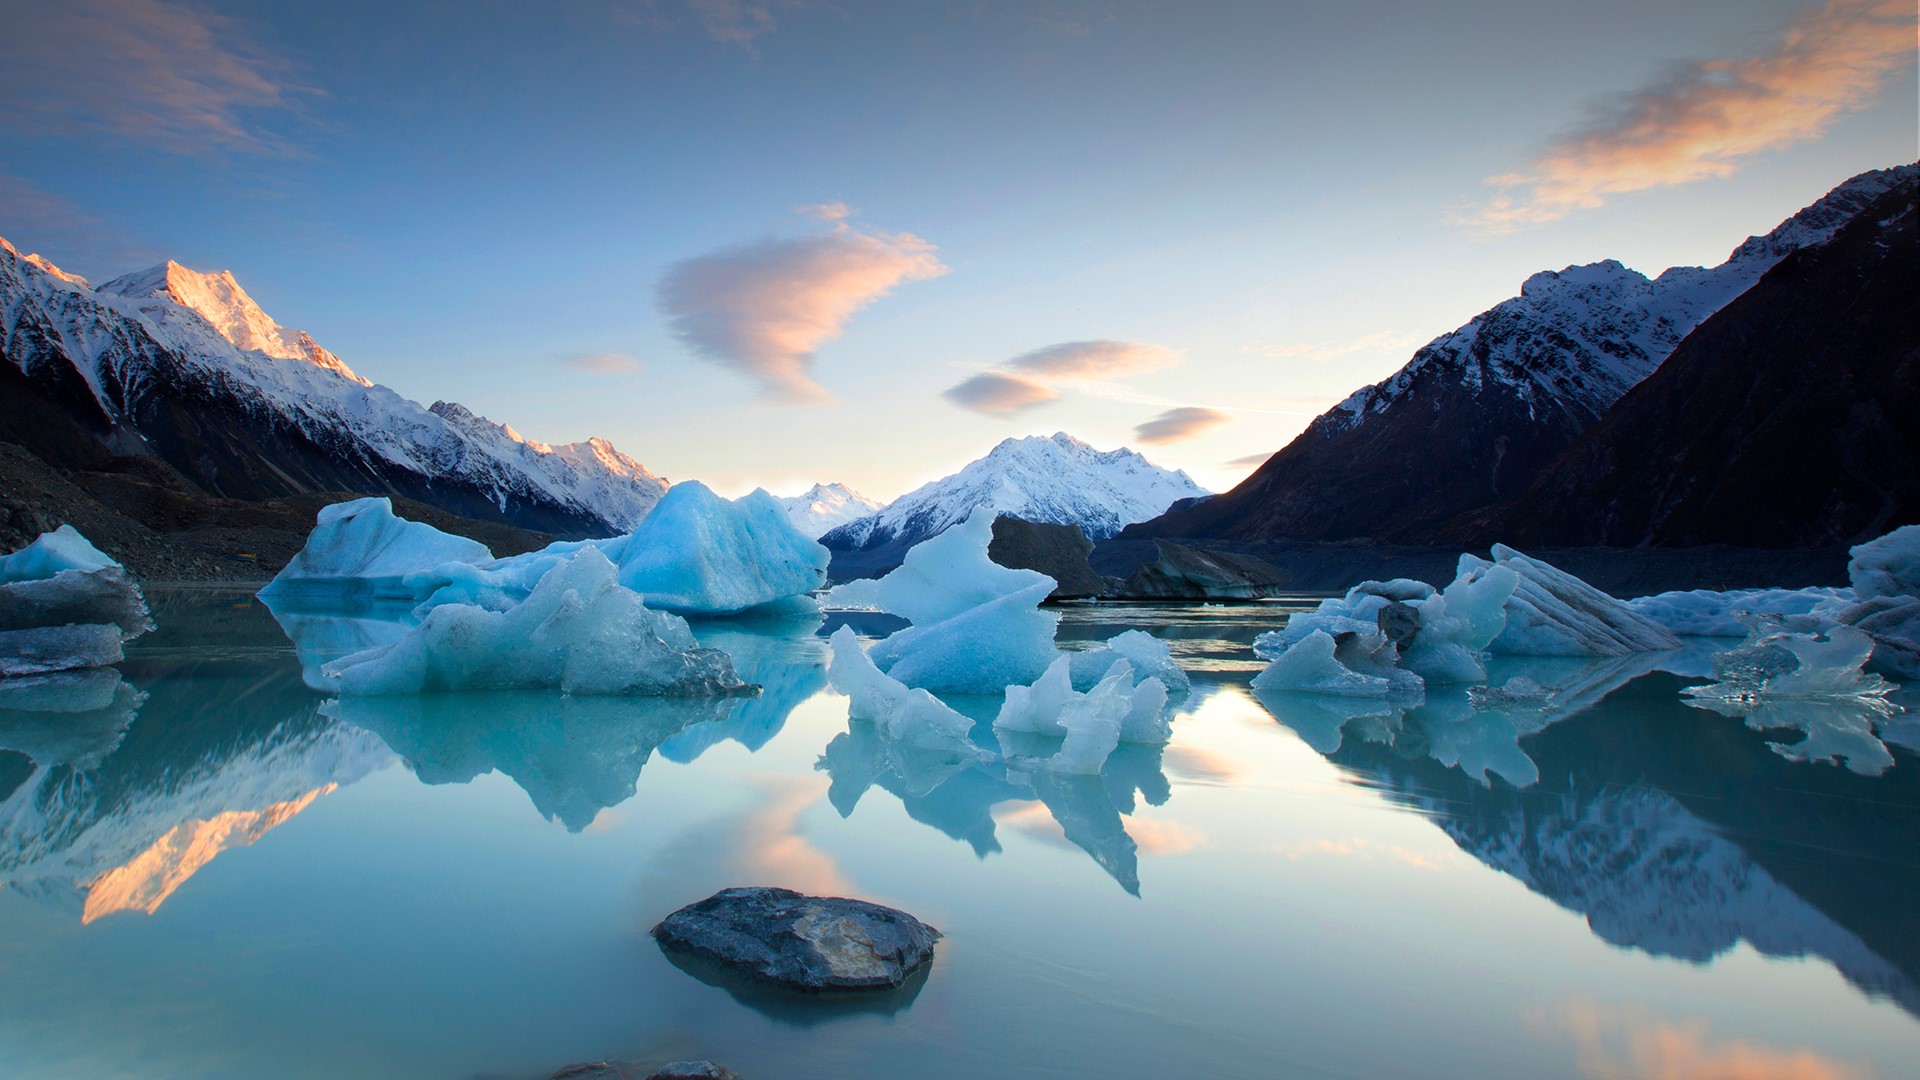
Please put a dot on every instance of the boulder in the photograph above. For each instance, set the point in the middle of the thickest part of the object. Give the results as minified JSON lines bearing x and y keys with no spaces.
{"x":1178,"y":572}
{"x":1058,"y":551}
{"x":813,"y":944}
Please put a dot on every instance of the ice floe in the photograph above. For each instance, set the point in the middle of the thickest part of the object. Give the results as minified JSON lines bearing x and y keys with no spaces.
{"x":65,"y":604}
{"x":579,"y":630}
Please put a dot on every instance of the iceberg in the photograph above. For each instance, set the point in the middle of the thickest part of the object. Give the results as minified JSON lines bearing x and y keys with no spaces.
{"x":362,"y":548}
{"x":65,"y":604}
{"x":699,"y":553}
{"x":904,"y":714}
{"x":1706,"y":613}
{"x":579,"y":630}
{"x":1350,"y":664}
{"x":1149,"y":656}
{"x":1888,"y":566}
{"x":977,"y":626}
{"x":1091,"y":724}
{"x":1553,"y":613}
{"x":1776,"y":662}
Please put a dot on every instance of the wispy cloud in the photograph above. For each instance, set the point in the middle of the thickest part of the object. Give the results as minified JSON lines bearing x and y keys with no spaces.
{"x":1033,"y":378}
{"x":172,"y":76}
{"x":731,"y":22}
{"x":1706,"y":116}
{"x":1093,"y":359}
{"x":35,"y":219}
{"x":1332,"y":350}
{"x":604,"y":363}
{"x":997,"y":394}
{"x":1250,"y":459}
{"x":1175,"y":425}
{"x":763,"y":308}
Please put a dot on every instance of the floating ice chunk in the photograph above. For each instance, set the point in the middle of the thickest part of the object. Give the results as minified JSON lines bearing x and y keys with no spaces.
{"x":1037,"y":708}
{"x":1150,"y":657}
{"x":579,"y":630}
{"x":1706,"y":613}
{"x":1838,"y":730}
{"x":1894,"y":622}
{"x":1438,"y":636}
{"x":1888,"y":566}
{"x":361,"y":547}
{"x":903,"y":714}
{"x":1553,"y":613}
{"x":62,"y":549}
{"x":65,"y":604}
{"x":977,"y":626}
{"x":1517,"y":692}
{"x":1775,"y":663}
{"x":696,"y":552}
{"x":1091,"y":724}
{"x":1350,"y":665}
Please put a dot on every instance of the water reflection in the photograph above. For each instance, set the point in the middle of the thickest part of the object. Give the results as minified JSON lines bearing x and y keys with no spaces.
{"x":1679,"y":836}
{"x":138,"y":792}
{"x":573,"y":756}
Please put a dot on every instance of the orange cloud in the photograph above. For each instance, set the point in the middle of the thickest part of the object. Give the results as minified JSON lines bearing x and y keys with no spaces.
{"x":1165,"y":837}
{"x":774,"y":851}
{"x":606,"y":363}
{"x":997,"y":394}
{"x":1094,"y":359}
{"x":1709,"y":114}
{"x":764,"y":308}
{"x":1632,"y":1042}
{"x":1175,"y":425}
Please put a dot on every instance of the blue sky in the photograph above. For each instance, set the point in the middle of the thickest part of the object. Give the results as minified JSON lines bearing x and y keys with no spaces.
{"x":763,"y":243}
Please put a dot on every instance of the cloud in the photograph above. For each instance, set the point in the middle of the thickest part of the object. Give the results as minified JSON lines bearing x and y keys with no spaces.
{"x":1093,"y":359}
{"x":178,"y":78}
{"x":1707,"y":115}
{"x":763,"y":308}
{"x":1032,"y":377}
{"x":1333,"y":350}
{"x":1182,"y":423}
{"x":830,"y":211}
{"x":1250,"y":459}
{"x":605,"y":363}
{"x":1632,"y":1040}
{"x":998,"y":394}
{"x":1359,"y":847}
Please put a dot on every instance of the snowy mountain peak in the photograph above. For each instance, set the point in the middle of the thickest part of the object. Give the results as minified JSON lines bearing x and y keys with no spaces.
{"x":1058,"y":479}
{"x":219,"y":299}
{"x":825,"y":507}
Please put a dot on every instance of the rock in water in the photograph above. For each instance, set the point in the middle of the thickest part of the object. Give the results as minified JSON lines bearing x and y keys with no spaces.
{"x":1178,"y":572}
{"x":1058,"y":551}
{"x":808,"y":943}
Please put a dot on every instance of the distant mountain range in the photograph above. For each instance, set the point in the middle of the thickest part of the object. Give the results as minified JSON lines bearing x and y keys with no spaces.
{"x":1057,"y":480}
{"x":825,"y":507}
{"x":1479,"y":414}
{"x":184,"y":366}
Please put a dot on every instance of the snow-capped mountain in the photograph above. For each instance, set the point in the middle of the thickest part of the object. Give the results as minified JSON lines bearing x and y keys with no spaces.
{"x":185,"y":366}
{"x":825,"y":507}
{"x":1058,"y":480}
{"x":1477,"y":412}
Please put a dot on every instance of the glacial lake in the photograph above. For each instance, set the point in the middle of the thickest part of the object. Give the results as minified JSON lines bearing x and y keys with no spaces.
{"x":208,"y":869}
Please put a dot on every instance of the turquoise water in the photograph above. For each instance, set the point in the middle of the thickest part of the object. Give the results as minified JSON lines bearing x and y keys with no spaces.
{"x":208,"y":869}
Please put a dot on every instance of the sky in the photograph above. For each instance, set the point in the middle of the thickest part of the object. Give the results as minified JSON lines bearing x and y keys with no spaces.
{"x":774,"y":242}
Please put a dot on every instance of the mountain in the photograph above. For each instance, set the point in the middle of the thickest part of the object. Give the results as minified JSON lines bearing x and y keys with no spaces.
{"x":1058,"y":481}
{"x":825,"y":507}
{"x":185,"y":367}
{"x":1788,"y":419}
{"x":1477,"y":413}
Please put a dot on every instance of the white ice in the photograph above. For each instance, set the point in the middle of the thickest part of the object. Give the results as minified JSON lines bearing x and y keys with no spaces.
{"x":1150,"y":657}
{"x":362,"y":547}
{"x":699,"y":553}
{"x":579,"y":630}
{"x":903,"y":714}
{"x":1706,"y":613}
{"x":65,"y":604}
{"x":1776,"y":663}
{"x":1394,"y":635}
{"x":977,"y":626}
{"x":1888,"y":566}
{"x":1553,"y":613}
{"x":1353,"y":664}
{"x":1091,"y":724}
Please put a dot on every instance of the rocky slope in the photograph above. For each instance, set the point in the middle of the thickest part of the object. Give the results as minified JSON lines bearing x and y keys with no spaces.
{"x":1788,"y":418}
{"x":185,"y":367}
{"x":1479,"y":412}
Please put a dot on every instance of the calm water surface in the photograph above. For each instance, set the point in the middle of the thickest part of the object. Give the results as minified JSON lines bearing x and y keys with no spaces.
{"x":208,"y":869}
